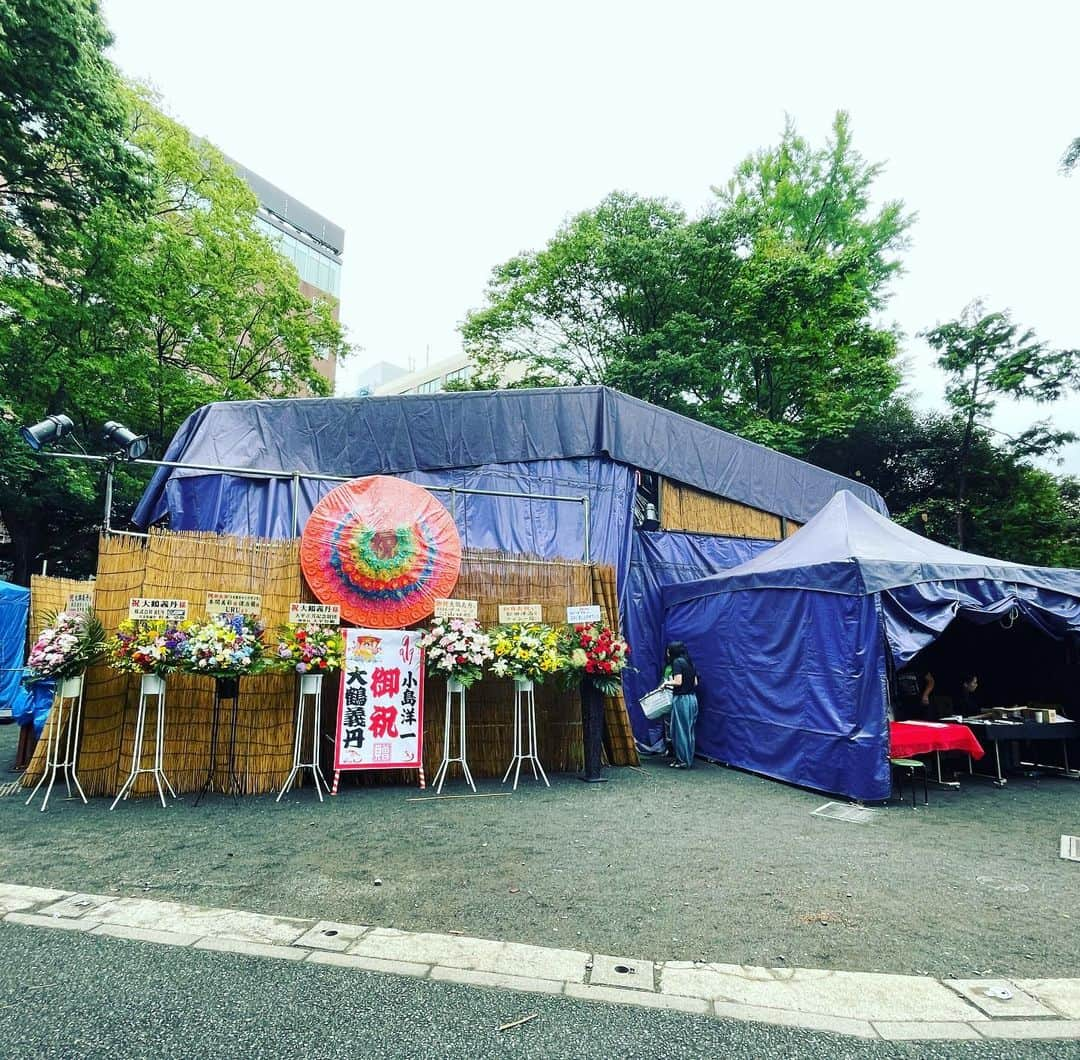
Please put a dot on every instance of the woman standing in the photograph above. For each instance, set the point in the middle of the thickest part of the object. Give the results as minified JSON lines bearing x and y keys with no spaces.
{"x":684,"y":708}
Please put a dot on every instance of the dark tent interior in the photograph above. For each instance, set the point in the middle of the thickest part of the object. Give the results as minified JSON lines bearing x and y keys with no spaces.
{"x":1015,"y":662}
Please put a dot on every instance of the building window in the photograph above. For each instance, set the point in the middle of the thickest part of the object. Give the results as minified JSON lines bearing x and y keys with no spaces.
{"x":432,"y":386}
{"x":460,"y":375}
{"x":314,"y":267}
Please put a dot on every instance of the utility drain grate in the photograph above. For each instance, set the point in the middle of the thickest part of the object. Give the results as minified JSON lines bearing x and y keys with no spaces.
{"x":1070,"y":847}
{"x":10,"y":789}
{"x":844,"y":811}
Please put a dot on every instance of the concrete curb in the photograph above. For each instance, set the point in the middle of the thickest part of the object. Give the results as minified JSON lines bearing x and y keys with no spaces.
{"x":861,"y":1005}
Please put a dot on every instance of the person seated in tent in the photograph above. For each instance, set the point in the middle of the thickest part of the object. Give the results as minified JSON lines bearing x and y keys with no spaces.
{"x":969,"y":702}
{"x":914,"y":695}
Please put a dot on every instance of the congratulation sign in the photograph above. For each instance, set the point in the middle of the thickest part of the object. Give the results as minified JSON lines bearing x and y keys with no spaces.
{"x":585,"y":613}
{"x":80,"y":602}
{"x":381,"y":709}
{"x":465,"y":609}
{"x":315,"y":614}
{"x":516,"y":613}
{"x":233,"y":604}
{"x":146,"y":607}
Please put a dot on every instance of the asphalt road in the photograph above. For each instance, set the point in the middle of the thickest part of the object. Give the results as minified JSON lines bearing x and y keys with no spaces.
{"x":72,"y":996}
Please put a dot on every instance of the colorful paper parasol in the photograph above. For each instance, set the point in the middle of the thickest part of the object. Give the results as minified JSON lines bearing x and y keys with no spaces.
{"x":383,"y":549}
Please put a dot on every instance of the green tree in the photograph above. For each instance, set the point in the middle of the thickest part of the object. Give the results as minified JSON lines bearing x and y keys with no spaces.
{"x":1014,"y":511}
{"x":148,"y":317}
{"x":63,"y":127}
{"x":1071,"y":158}
{"x":986,"y":356}
{"x":756,"y":317}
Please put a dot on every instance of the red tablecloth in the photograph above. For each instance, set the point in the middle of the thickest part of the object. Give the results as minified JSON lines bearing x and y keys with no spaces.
{"x":907,"y":738}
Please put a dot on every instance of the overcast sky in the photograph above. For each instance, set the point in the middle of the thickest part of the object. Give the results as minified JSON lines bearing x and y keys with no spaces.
{"x":446,"y":137}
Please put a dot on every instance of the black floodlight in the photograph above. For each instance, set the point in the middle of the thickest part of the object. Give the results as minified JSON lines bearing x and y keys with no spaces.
{"x":128,"y":443}
{"x":48,"y":432}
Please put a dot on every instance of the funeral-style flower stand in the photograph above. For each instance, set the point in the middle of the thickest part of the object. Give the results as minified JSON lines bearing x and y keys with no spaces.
{"x":310,"y":690}
{"x":150,"y":686}
{"x":225,"y":688}
{"x":63,"y":739}
{"x":592,"y":731}
{"x":453,"y":688}
{"x":524,"y":733}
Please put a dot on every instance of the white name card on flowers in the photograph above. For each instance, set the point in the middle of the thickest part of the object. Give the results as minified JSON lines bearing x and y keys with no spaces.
{"x":587,"y":613}
{"x":380,"y":722}
{"x":512,"y":614}
{"x":80,"y":602}
{"x":234,"y":604}
{"x":150,"y":608}
{"x":465,"y":609}
{"x":315,"y":614}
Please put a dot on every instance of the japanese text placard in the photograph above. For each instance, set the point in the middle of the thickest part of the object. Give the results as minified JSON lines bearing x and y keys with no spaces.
{"x":465,"y":609}
{"x":148,"y":608}
{"x":381,"y":706}
{"x":315,"y":614}
{"x":80,"y":602}
{"x":585,"y":613}
{"x":514,"y":613}
{"x":233,"y":604}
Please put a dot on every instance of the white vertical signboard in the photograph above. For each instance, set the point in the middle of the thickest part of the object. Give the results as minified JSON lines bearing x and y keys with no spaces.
{"x":381,"y":706}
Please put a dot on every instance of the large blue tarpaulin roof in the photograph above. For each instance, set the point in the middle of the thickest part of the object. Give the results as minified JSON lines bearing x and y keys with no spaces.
{"x":401,"y":434}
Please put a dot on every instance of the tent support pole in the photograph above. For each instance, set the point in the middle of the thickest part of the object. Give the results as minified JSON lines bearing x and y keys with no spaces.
{"x":295,"y":504}
{"x":588,"y":543}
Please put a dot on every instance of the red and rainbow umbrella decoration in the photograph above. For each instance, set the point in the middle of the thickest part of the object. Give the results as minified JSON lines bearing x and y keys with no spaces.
{"x":381,"y":548}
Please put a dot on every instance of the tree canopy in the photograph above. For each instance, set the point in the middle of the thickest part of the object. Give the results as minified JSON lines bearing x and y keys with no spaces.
{"x":148,"y":315}
{"x":63,"y":127}
{"x":987,"y":356}
{"x":758,"y":316}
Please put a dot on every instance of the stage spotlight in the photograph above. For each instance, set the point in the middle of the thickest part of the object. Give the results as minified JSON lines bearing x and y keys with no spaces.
{"x":48,"y":432}
{"x":126,"y":442}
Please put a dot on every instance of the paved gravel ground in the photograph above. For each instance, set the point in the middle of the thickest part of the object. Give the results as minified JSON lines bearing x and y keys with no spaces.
{"x":663,"y":864}
{"x":156,"y":1001}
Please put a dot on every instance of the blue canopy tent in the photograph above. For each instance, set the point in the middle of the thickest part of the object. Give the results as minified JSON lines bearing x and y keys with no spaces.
{"x":260,"y":464}
{"x":791,"y":645}
{"x":14,"y":614}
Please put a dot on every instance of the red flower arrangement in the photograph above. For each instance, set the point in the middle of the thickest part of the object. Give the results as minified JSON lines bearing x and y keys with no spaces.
{"x":598,"y":654}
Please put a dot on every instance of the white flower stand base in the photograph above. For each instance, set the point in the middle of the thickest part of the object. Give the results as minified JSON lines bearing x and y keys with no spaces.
{"x":150,"y":686}
{"x":524,"y":733}
{"x":310,"y":690}
{"x":67,"y":707}
{"x":453,"y":688}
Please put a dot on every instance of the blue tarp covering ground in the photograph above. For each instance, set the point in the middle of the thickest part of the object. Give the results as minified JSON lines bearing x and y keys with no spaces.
{"x":791,"y":645}
{"x":14,"y":614}
{"x":659,"y":558}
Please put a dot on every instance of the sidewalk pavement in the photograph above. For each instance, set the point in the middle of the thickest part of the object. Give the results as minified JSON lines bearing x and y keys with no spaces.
{"x":860,"y":1005}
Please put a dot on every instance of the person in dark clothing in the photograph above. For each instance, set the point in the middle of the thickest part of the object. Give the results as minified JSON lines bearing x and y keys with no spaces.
{"x":683,"y":683}
{"x":914,"y":694}
{"x":969,"y":703}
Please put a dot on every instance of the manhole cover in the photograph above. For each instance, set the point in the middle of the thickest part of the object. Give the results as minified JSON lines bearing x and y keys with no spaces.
{"x":1070,"y":847}
{"x":844,"y":811}
{"x":996,"y":883}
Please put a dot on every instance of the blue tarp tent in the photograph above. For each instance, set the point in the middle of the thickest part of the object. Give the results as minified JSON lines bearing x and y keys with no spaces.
{"x":14,"y":613}
{"x":569,"y":442}
{"x":791,"y":645}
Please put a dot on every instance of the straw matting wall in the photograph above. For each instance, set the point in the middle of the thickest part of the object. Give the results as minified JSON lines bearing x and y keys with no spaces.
{"x":50,"y":595}
{"x":187,"y":566}
{"x":685,"y":508}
